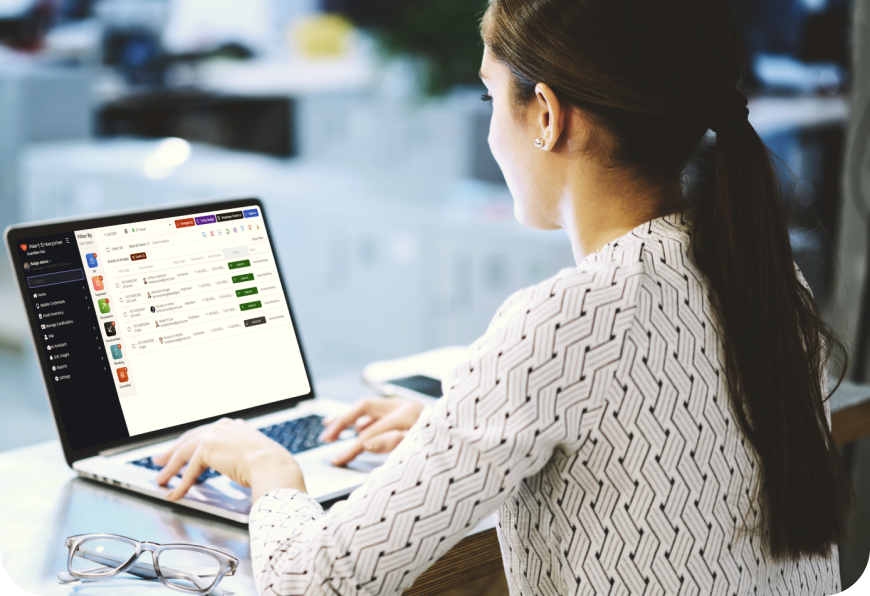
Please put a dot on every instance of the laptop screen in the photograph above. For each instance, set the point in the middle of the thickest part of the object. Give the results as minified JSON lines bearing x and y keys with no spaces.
{"x":148,"y":325}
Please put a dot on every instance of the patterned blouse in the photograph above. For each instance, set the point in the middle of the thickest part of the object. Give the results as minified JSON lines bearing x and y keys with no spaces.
{"x":593,"y":419}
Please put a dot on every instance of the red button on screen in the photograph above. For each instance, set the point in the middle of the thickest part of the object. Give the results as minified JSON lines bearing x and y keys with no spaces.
{"x":185,"y":223}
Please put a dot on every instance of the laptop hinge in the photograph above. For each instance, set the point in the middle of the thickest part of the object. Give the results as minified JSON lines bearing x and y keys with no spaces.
{"x":137,"y":445}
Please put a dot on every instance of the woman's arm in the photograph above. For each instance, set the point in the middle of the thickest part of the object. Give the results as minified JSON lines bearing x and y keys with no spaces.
{"x":504,"y":412}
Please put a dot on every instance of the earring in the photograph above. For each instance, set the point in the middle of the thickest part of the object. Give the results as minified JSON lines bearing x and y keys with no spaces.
{"x":539,"y":143}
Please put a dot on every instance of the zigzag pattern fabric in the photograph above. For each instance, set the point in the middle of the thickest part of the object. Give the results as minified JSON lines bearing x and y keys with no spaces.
{"x":593,"y":416}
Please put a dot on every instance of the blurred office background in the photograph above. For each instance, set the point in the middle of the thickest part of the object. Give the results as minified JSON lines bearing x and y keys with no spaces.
{"x":359,"y":123}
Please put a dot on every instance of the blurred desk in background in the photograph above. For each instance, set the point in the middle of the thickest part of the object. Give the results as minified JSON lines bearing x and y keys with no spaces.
{"x":42,"y":502}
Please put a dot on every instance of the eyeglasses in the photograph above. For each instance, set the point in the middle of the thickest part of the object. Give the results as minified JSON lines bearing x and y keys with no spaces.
{"x":183,"y":567}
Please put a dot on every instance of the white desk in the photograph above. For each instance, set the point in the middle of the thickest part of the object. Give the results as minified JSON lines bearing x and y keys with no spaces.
{"x":42,"y":502}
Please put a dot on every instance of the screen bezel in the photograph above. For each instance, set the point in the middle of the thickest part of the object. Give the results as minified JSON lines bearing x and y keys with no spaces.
{"x":14,"y":234}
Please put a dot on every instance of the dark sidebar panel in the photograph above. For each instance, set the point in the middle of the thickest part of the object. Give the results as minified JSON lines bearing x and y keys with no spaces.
{"x":69,"y":341}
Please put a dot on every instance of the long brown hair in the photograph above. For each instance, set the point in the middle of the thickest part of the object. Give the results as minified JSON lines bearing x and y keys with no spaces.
{"x":641,"y":71}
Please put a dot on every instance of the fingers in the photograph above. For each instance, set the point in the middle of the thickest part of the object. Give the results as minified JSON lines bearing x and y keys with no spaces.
{"x":364,"y":407}
{"x":378,"y":439}
{"x":386,"y":442}
{"x":180,"y":456}
{"x":392,"y":421}
{"x":363,"y":423}
{"x":188,"y":479}
{"x":161,"y":459}
{"x":349,"y":455}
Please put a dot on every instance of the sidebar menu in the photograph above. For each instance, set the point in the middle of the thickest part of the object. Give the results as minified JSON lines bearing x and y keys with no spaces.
{"x":70,"y":340}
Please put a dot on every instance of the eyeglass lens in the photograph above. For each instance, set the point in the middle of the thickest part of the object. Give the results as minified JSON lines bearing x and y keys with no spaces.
{"x":188,"y":569}
{"x":101,"y":556}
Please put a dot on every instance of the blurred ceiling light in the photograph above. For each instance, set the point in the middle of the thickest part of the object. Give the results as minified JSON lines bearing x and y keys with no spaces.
{"x":815,"y":5}
{"x":173,"y":152}
{"x":168,"y":155}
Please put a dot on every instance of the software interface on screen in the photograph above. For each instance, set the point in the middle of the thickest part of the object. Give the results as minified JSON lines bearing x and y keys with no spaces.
{"x":149,"y":325}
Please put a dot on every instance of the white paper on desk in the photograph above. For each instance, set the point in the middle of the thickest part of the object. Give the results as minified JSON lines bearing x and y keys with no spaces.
{"x":435,"y":364}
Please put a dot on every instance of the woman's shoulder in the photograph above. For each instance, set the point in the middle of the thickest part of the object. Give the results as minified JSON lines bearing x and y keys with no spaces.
{"x":573,"y":293}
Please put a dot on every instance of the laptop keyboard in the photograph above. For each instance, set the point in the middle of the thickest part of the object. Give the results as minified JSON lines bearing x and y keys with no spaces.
{"x":297,"y":435}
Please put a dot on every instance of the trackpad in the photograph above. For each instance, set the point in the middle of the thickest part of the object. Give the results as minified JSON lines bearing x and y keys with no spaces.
{"x":367,"y":462}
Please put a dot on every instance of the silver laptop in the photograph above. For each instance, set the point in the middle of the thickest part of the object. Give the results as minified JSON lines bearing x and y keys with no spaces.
{"x":149,"y":323}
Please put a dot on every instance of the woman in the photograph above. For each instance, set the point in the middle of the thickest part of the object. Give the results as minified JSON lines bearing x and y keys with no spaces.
{"x":651,"y":422}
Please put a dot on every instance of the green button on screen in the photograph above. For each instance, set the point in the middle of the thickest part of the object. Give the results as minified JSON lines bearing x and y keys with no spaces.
{"x":237,"y":279}
{"x":246,"y":292}
{"x":250,"y":305}
{"x":239,"y":264}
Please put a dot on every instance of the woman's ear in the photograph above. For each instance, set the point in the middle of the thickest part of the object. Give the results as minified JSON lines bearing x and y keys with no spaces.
{"x":549,"y":116}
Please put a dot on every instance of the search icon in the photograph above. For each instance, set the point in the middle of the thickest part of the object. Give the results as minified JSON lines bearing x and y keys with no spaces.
{"x":203,"y":235}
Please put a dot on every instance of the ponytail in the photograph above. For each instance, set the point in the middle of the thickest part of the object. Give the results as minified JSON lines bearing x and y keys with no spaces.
{"x":776,"y":346}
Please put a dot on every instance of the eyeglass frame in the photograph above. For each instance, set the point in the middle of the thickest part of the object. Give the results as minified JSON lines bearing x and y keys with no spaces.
{"x":228,"y":564}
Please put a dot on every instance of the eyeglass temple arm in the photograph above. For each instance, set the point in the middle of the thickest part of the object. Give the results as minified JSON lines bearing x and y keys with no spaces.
{"x":139,"y":569}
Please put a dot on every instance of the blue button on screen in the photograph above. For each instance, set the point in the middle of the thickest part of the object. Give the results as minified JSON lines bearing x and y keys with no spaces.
{"x":252,"y":213}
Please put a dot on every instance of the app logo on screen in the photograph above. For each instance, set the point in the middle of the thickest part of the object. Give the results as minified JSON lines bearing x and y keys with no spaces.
{"x":116,"y":351}
{"x":110,"y":328}
{"x":23,"y":247}
{"x":122,"y":375}
{"x":98,"y":283}
{"x":104,"y":306}
{"x":92,"y":260}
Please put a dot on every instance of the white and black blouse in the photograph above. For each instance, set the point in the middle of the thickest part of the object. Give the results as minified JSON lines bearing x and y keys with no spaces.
{"x":593,"y":417}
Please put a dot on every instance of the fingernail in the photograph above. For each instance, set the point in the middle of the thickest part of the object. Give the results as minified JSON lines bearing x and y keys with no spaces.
{"x":372,"y":447}
{"x":171,"y":496}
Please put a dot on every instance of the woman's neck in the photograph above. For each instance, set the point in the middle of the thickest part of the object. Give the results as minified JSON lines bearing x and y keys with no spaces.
{"x":594,"y":213}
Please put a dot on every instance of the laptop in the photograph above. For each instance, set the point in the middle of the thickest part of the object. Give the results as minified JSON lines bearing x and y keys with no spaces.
{"x":149,"y":323}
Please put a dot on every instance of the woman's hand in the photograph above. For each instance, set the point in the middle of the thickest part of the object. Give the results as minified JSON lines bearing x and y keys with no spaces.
{"x":234,"y":449}
{"x":380,"y":422}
